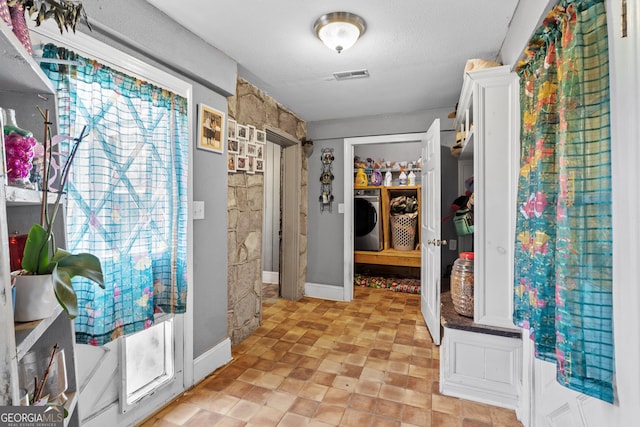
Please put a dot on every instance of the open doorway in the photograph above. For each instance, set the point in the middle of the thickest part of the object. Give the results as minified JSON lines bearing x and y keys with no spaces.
{"x":359,"y":145}
{"x":271,"y":219}
{"x":353,"y":147}
{"x":281,"y":213}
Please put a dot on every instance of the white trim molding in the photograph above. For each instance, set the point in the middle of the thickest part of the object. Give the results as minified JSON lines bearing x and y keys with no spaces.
{"x":318,"y":290}
{"x":271,"y":277}
{"x":209,"y":361}
{"x":86,"y":45}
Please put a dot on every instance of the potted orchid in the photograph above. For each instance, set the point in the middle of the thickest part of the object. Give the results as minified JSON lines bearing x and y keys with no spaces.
{"x":43,"y":262}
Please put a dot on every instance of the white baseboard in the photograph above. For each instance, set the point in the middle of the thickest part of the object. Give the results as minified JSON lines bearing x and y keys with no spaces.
{"x":271,"y":277}
{"x":211,"y":360}
{"x":318,"y":290}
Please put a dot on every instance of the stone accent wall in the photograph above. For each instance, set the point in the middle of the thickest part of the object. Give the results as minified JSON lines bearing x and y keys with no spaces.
{"x":245,"y":195}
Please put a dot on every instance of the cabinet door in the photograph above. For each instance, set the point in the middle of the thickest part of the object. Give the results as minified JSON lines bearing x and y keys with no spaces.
{"x":495,"y":105}
{"x":430,"y":231}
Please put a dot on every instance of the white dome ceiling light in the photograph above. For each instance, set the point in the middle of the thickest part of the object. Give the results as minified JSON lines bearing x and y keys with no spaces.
{"x":339,"y":30}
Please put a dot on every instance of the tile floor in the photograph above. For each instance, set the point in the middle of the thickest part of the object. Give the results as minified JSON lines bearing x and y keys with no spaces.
{"x":370,"y":362}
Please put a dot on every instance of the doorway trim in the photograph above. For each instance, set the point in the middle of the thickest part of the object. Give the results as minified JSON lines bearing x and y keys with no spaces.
{"x":291,"y":178}
{"x":349,"y":144}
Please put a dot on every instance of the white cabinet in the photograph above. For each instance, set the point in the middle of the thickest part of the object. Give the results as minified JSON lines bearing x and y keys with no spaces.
{"x":489,"y":104}
{"x":481,"y":357}
{"x":23,"y":87}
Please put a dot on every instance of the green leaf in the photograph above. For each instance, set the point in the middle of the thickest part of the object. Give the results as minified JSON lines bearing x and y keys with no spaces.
{"x":65,"y":294}
{"x":59,"y":254}
{"x":85,"y":265}
{"x":36,"y":251}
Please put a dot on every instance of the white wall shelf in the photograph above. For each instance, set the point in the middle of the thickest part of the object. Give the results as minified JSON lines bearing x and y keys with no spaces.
{"x":23,"y":87}
{"x":16,"y":196}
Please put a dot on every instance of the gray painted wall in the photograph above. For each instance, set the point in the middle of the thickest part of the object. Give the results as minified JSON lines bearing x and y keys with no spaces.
{"x":144,"y":29}
{"x":324,"y":229}
{"x":209,"y":238}
{"x":137,"y":28}
{"x":449,"y":184}
{"x":400,"y":152}
{"x":379,"y":125}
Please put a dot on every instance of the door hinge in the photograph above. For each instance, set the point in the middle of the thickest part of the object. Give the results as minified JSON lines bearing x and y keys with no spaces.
{"x":623,"y":19}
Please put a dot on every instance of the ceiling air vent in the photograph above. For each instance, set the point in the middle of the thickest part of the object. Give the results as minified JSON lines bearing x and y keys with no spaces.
{"x":356,"y":74}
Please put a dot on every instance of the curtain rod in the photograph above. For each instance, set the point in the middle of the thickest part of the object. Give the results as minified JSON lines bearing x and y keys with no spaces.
{"x":57,"y":61}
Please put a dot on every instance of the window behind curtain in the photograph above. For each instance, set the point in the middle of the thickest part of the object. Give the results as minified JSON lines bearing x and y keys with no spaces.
{"x":127,"y":196}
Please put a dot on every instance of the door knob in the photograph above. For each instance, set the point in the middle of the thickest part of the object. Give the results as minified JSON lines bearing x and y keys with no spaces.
{"x":437,"y":242}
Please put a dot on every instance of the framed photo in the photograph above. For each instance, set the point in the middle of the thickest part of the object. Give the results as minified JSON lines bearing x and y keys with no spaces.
{"x":242,"y":163}
{"x":231,"y":129}
{"x":232,"y":160}
{"x":242,"y":148}
{"x":251,"y":137}
{"x":259,"y":165}
{"x":252,"y":149}
{"x":242,"y":132}
{"x":232,"y":146}
{"x":251,"y":165}
{"x":261,"y":136}
{"x":259,"y":152}
{"x":210,"y":129}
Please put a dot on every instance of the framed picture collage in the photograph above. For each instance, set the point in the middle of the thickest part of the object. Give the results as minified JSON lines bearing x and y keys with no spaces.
{"x":245,"y":148}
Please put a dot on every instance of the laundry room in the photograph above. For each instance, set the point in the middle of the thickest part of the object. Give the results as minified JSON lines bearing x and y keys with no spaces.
{"x":387,"y":209}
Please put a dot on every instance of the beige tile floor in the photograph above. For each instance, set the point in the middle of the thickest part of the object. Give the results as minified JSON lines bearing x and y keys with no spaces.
{"x":370,"y":362}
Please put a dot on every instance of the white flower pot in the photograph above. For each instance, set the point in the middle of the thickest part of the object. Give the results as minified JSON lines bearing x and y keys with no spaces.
{"x":35,"y":298}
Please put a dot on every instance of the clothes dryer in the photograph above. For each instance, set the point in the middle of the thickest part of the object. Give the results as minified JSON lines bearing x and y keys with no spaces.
{"x":367,"y":220}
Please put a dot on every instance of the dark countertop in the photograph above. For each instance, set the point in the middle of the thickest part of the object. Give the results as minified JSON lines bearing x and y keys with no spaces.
{"x":452,"y":320}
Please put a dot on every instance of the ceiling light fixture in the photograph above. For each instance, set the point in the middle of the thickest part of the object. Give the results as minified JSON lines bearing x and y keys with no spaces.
{"x":339,"y":30}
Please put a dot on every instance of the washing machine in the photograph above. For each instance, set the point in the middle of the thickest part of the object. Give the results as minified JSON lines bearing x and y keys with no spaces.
{"x":367,"y":220}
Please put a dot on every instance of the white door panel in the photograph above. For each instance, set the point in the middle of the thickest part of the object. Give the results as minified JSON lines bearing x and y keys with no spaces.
{"x":97,"y":366}
{"x":558,"y":406}
{"x":430,"y":230}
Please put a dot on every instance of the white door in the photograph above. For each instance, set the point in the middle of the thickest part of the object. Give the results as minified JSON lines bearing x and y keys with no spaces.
{"x":430,"y":231}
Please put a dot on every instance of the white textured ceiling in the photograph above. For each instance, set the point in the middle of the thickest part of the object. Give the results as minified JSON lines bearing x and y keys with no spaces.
{"x":415,"y":50}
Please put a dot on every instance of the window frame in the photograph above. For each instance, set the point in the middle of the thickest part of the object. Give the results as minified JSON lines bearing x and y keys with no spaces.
{"x":182,"y":348}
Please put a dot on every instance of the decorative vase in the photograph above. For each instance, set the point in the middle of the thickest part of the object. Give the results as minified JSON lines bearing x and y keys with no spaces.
{"x":4,"y":13}
{"x":57,"y":382}
{"x":35,"y":298}
{"x":34,"y":365}
{"x":20,"y":29}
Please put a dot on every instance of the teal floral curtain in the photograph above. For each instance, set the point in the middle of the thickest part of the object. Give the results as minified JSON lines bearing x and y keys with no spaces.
{"x":127,"y":195}
{"x":563,"y":272}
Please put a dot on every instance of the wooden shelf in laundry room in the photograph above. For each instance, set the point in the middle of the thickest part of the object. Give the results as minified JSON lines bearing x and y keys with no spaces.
{"x":390,"y":256}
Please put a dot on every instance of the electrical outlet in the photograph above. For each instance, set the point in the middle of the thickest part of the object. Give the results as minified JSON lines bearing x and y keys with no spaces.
{"x":453,"y":244}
